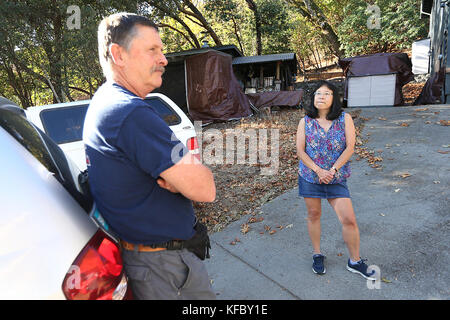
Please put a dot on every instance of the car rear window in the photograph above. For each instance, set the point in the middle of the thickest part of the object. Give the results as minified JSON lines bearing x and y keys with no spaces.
{"x":164,"y":110}
{"x":18,"y":127}
{"x":45,"y":151}
{"x":64,"y":125}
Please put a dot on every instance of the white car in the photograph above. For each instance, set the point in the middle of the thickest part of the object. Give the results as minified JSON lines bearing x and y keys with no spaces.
{"x":63,"y":122}
{"x":51,"y":247}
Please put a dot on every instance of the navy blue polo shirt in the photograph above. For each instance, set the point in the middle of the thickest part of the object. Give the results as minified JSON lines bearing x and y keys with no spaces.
{"x":128,"y":145}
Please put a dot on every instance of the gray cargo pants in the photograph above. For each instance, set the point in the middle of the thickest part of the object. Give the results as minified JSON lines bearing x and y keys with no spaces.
{"x":167,"y":275}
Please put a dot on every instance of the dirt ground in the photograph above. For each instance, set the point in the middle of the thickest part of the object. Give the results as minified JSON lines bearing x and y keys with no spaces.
{"x":241,"y":189}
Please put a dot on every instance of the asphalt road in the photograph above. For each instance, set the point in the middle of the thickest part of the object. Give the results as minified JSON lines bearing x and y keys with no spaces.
{"x":403,"y":214}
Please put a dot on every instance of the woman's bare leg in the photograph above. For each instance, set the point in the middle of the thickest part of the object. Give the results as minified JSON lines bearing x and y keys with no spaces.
{"x":350,"y":232}
{"x":314,"y":210}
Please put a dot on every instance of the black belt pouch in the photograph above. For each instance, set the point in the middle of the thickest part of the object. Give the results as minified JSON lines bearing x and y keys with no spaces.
{"x":199,"y":244}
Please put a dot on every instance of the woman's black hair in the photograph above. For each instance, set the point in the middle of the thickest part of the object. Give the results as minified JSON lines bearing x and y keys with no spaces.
{"x":336,"y":107}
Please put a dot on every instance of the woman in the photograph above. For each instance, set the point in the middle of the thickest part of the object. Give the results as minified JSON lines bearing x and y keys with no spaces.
{"x":325,"y":143}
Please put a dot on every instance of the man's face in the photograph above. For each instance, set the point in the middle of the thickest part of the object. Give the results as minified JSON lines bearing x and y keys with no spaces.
{"x":145,"y":61}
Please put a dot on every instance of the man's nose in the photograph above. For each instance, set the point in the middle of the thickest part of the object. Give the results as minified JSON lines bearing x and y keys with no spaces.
{"x":163,"y":60}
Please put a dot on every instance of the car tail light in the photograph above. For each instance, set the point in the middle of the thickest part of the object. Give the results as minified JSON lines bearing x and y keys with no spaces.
{"x":192,"y":145}
{"x":97,"y":272}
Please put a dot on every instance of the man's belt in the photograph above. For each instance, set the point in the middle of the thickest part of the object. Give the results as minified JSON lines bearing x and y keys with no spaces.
{"x":169,"y":245}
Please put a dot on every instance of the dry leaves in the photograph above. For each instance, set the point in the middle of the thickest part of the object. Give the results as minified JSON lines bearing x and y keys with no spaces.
{"x":369,"y":155}
{"x":245,"y":228}
{"x":444,"y":122}
{"x":385,"y":280}
{"x":254,"y":219}
{"x":411,"y":91}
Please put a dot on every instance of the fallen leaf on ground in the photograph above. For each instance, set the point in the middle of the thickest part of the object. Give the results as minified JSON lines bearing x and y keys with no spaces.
{"x":405,"y":175}
{"x":443,"y":152}
{"x":272,"y":232}
{"x":444,"y":122}
{"x":404,"y":124}
{"x":386,"y":280}
{"x":421,"y":109}
{"x":358,"y":141}
{"x":245,"y":228}
{"x":382,"y":118}
{"x":254,"y":219}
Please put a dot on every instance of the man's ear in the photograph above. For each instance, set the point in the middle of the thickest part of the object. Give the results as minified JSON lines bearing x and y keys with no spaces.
{"x":116,"y":53}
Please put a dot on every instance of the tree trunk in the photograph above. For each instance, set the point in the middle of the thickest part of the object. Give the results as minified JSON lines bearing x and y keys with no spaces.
{"x":310,"y":10}
{"x":199,"y":16}
{"x":236,"y":32}
{"x":252,"y":6}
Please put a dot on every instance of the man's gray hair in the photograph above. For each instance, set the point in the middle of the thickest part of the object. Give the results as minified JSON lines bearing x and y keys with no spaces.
{"x":119,"y":28}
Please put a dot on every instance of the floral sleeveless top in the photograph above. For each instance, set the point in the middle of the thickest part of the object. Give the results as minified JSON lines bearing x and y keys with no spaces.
{"x":324,"y":148}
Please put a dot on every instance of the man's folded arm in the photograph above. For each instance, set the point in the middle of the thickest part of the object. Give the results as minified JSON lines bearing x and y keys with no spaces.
{"x":190,"y":178}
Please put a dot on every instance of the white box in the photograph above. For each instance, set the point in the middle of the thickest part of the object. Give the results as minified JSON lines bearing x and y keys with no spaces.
{"x":371,"y":91}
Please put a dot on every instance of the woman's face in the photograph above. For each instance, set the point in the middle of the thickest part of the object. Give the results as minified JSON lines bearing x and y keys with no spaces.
{"x":323,"y":98}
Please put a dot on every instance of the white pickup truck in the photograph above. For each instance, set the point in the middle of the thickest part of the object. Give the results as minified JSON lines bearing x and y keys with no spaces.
{"x":63,"y":122}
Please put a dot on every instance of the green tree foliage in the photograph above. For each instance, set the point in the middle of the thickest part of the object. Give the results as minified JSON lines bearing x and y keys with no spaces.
{"x":240,"y":20}
{"x":46,"y":61}
{"x":323,"y":17}
{"x":233,"y":20}
{"x":311,"y":49}
{"x":393,"y":27}
{"x":276,"y":28}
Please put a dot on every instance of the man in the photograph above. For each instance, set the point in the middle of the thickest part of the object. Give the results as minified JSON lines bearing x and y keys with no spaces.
{"x":143,"y":193}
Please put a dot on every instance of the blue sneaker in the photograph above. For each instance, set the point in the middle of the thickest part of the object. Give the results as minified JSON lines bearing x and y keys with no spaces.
{"x":361,"y":268}
{"x":318,"y":266}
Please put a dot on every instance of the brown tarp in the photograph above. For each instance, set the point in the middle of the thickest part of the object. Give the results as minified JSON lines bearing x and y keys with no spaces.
{"x":213,"y":92}
{"x":432,"y":90}
{"x":276,"y":98}
{"x":380,"y":63}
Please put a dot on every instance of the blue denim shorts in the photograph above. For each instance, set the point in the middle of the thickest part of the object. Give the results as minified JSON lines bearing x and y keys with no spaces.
{"x":323,"y":191}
